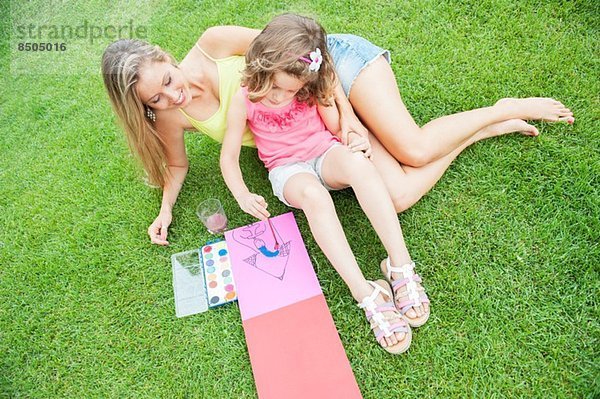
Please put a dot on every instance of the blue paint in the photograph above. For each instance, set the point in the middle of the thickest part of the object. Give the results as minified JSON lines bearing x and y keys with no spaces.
{"x":263,"y":250}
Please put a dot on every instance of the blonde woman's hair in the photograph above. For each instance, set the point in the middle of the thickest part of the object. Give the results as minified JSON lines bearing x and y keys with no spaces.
{"x":278,"y":48}
{"x":121,"y":64}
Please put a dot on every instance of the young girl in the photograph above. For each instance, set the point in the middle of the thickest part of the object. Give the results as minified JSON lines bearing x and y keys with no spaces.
{"x":287,"y":102}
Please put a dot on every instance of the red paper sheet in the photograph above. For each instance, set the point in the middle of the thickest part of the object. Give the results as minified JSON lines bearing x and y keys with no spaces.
{"x":296,"y":353}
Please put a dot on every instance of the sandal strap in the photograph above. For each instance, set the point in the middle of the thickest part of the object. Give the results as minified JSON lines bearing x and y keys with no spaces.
{"x":409,"y":279}
{"x":407,"y":270}
{"x":368,"y":302}
{"x":396,"y":284}
{"x":394,"y":328}
{"x":374,"y":311}
{"x":386,"y":307}
{"x":406,"y":305}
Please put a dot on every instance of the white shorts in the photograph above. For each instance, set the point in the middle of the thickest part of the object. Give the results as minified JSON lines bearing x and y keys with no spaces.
{"x":281,"y":174}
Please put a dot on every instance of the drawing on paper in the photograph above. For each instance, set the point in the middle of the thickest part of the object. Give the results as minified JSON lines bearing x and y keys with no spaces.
{"x":266,"y":256}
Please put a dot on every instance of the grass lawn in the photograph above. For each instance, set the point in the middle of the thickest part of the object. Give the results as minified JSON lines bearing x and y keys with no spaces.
{"x":507,"y":242}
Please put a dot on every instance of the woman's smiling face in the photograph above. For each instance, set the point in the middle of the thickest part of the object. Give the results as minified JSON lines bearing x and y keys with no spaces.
{"x":162,"y":86}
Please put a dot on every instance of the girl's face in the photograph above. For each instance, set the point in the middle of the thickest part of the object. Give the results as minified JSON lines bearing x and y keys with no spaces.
{"x":163,"y":86}
{"x":283,"y":91}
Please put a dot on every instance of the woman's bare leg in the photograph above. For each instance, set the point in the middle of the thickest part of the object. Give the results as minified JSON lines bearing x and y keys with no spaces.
{"x":407,"y":184}
{"x":376,"y":100}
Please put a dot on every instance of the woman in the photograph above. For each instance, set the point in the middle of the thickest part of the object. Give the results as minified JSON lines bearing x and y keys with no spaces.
{"x":157,"y":100}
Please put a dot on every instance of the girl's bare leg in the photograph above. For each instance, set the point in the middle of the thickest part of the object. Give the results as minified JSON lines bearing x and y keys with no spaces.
{"x":304,"y":191}
{"x":341,"y":168}
{"x":376,"y":100}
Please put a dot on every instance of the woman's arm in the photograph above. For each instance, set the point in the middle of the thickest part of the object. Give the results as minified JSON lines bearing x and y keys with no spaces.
{"x":177,"y":163}
{"x":355,"y":141}
{"x":349,"y":122}
{"x":225,"y":41}
{"x":250,"y":203}
{"x":352,"y":131}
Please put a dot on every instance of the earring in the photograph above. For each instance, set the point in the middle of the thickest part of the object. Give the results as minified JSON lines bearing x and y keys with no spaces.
{"x":150,"y":114}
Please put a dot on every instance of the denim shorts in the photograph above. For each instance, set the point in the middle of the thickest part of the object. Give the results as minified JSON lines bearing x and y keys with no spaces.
{"x":281,"y":174}
{"x":351,"y":54}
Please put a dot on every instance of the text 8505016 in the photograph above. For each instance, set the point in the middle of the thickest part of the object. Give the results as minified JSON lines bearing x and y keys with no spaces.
{"x":41,"y":47}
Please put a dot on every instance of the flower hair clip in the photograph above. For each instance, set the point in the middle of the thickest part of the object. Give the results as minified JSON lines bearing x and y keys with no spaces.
{"x":315,"y":60}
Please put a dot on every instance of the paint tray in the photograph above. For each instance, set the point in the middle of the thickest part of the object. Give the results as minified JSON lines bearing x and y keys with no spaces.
{"x":202,"y":279}
{"x":218,"y":277}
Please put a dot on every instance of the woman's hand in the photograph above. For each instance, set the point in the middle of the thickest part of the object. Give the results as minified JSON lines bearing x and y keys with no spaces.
{"x":254,"y":205}
{"x":356,"y":143}
{"x":158,"y":229}
{"x":349,"y":122}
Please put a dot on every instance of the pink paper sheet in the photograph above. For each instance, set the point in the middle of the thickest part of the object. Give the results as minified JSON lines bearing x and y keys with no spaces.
{"x":294,"y":347}
{"x":287,"y":276}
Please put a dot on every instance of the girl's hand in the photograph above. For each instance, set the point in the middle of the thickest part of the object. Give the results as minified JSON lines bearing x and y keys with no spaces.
{"x":254,"y":205}
{"x":356,"y":143}
{"x":158,"y":229}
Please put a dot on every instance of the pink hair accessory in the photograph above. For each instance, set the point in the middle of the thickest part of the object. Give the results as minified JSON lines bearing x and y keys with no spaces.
{"x":315,"y":60}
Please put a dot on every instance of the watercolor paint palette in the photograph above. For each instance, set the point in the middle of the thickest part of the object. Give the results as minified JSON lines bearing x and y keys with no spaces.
{"x":202,"y":279}
{"x":218,"y":277}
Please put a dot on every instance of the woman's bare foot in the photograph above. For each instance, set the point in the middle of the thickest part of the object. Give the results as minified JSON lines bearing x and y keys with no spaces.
{"x":537,"y":108}
{"x":506,"y":127}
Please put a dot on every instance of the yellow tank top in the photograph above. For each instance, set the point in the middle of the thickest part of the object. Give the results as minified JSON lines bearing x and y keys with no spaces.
{"x":229,"y":83}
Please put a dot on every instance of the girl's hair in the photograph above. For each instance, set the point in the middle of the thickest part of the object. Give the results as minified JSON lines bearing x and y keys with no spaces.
{"x":278,"y":48}
{"x":121,"y":65}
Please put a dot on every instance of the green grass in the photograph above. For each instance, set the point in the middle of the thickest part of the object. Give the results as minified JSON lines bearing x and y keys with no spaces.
{"x":507,"y":242}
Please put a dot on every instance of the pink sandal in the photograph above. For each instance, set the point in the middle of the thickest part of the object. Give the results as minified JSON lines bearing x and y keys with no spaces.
{"x":381,"y":321}
{"x":415,"y":293}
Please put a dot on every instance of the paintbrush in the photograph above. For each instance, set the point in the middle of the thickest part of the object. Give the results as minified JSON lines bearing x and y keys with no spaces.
{"x":274,"y":237}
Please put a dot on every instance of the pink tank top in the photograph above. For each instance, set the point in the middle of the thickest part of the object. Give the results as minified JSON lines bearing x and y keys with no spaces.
{"x":289,"y":134}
